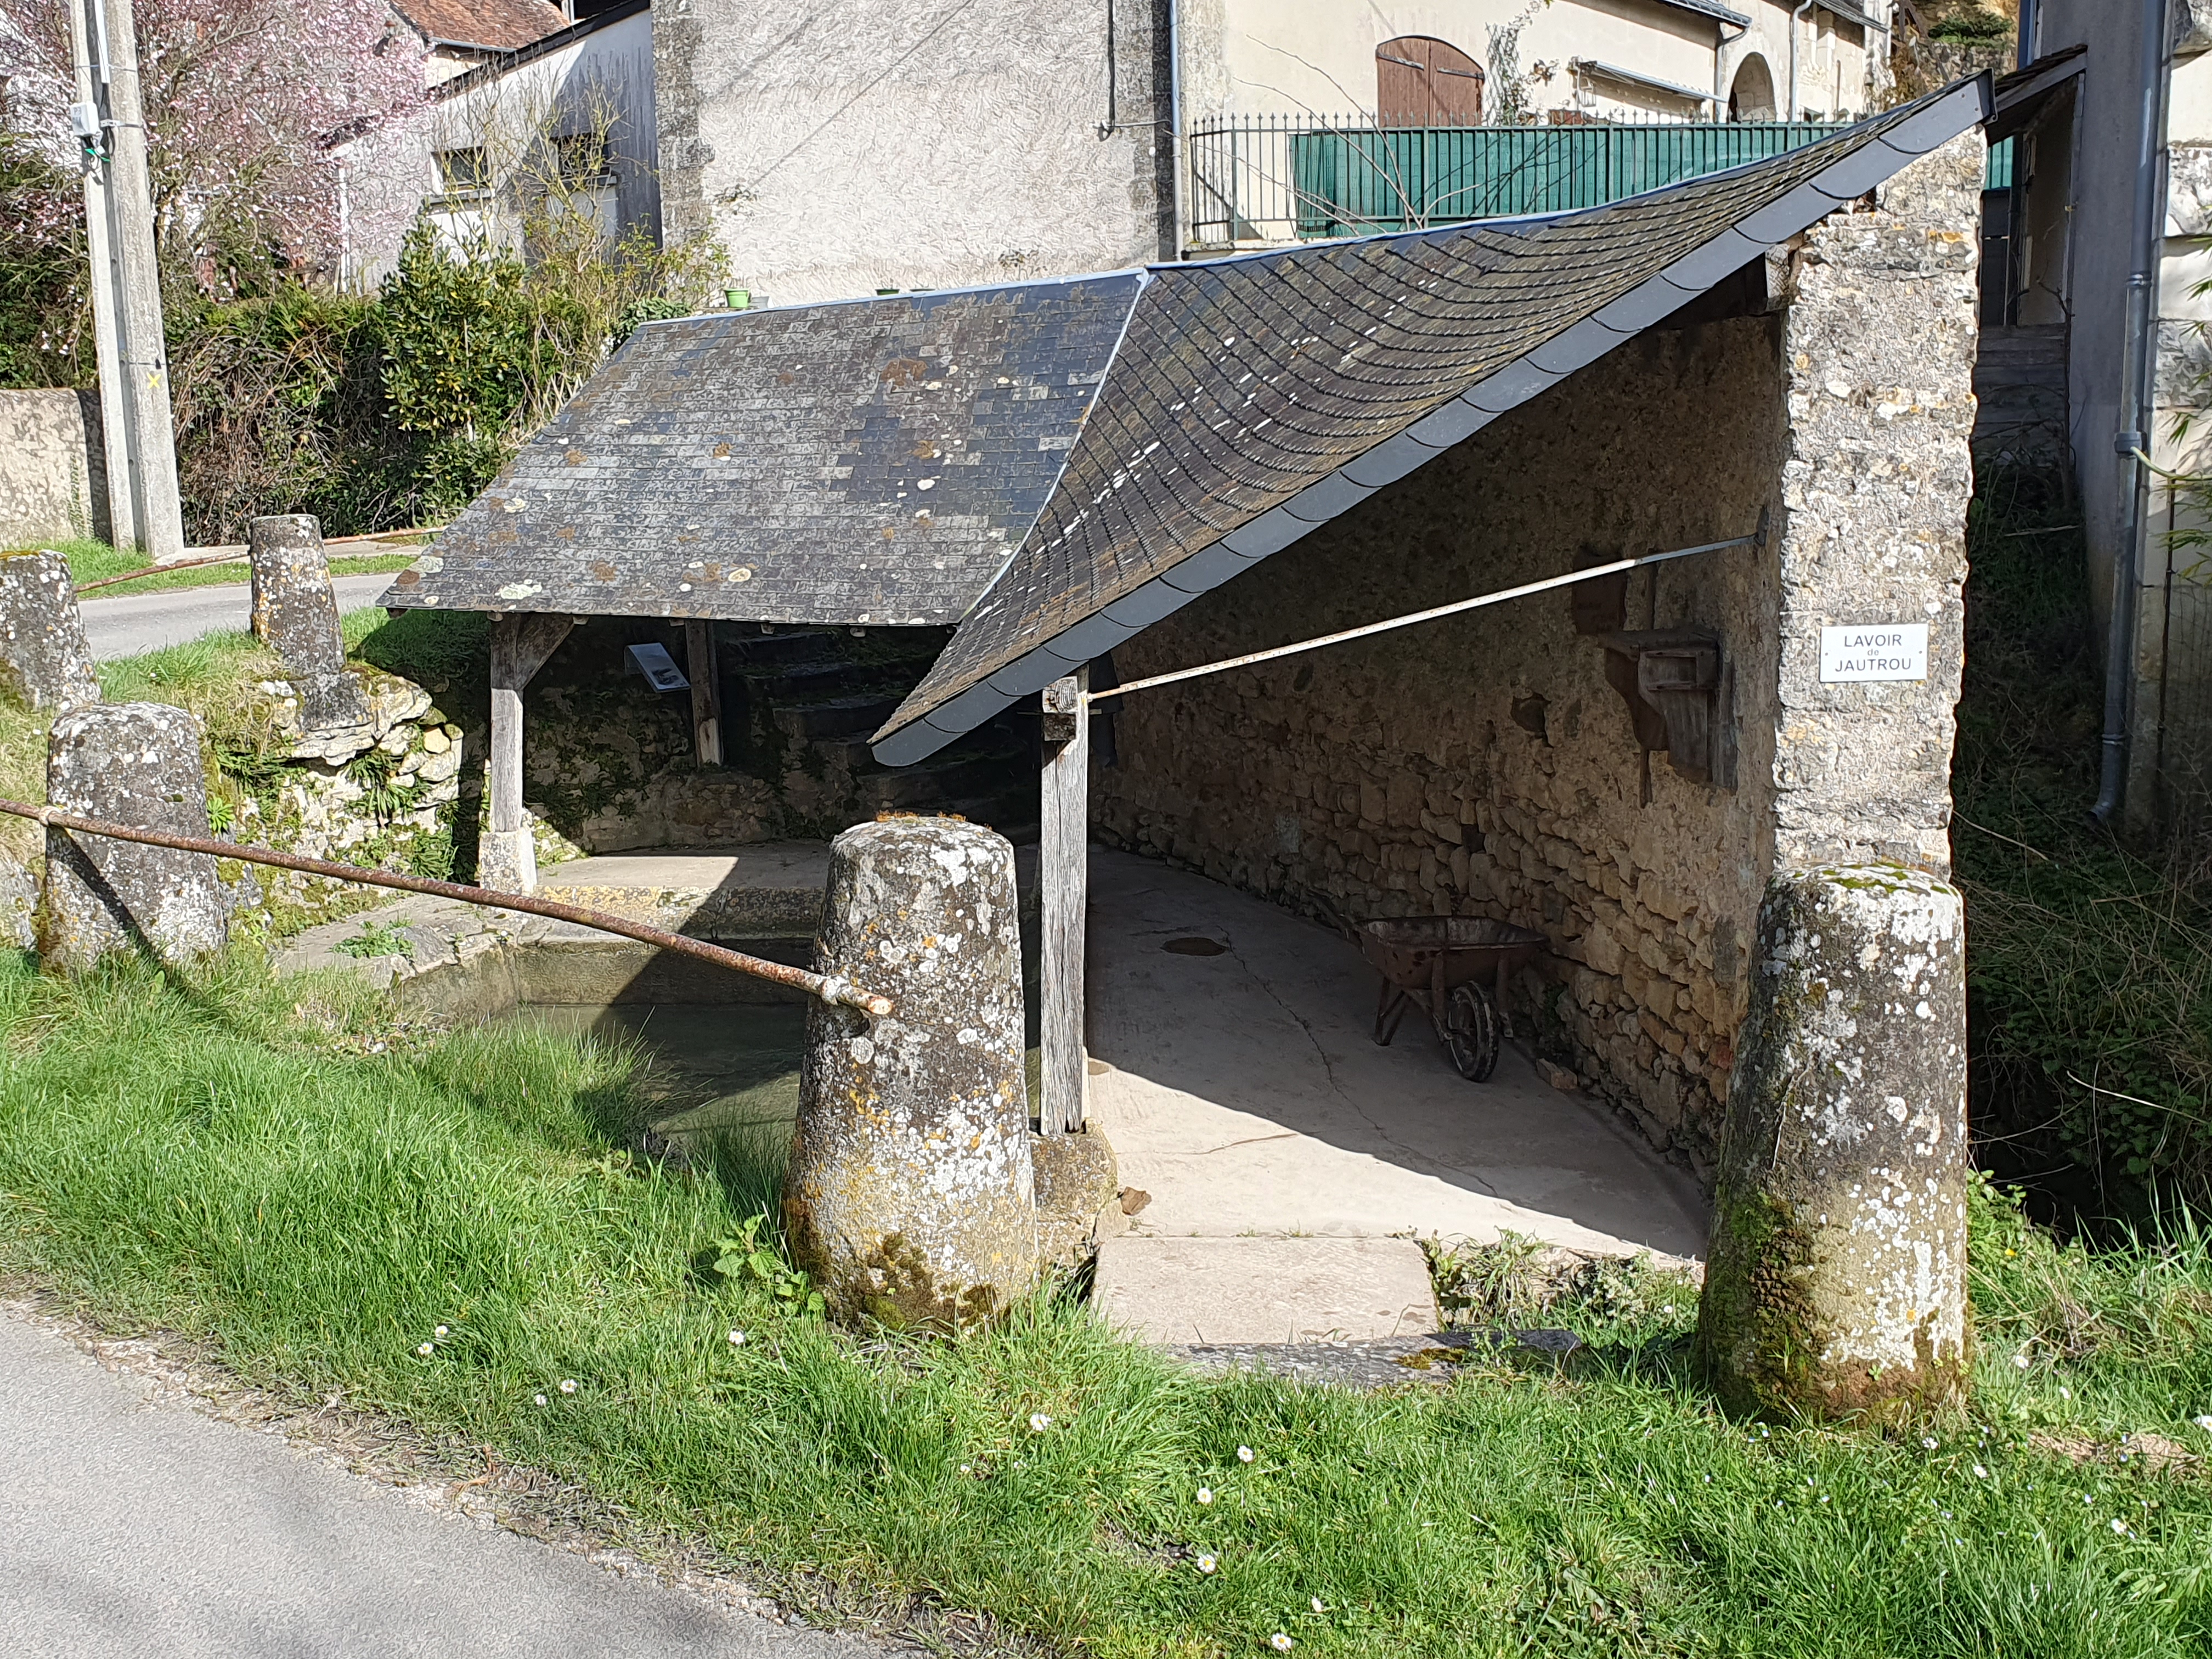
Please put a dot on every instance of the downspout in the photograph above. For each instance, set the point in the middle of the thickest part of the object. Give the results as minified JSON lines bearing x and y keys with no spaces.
{"x":2024,"y":53}
{"x":2138,"y":404}
{"x":1797,"y":18}
{"x":1175,"y":125}
{"x":1722,"y":42}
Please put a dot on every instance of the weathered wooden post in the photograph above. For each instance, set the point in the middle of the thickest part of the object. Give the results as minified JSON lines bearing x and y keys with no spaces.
{"x":46,"y":660}
{"x":136,"y":763}
{"x":507,"y":859}
{"x":1835,"y":1282}
{"x":911,"y":1194}
{"x":706,"y":692}
{"x":296,"y":614}
{"x":1064,"y":891}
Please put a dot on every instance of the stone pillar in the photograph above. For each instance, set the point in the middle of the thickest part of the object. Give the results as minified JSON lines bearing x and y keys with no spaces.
{"x":1836,"y":1281}
{"x":911,"y":1193}
{"x":296,"y":614}
{"x":1879,"y":342}
{"x":46,"y":660}
{"x":136,"y":763}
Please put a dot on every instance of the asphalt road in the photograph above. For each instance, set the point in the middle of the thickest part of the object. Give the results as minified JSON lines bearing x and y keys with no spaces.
{"x":130,"y":1528}
{"x":147,"y":621}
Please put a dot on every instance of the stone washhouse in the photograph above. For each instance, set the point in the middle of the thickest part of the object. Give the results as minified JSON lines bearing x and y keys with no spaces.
{"x":1094,"y":481}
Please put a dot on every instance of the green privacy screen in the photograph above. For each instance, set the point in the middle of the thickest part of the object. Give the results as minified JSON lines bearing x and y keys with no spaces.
{"x":1357,"y":182}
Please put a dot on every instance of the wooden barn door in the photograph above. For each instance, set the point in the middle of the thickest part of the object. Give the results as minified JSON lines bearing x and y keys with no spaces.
{"x":1423,"y":83}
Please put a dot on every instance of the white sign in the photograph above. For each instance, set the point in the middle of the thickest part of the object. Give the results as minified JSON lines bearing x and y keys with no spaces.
{"x":1874,"y":650}
{"x":652,"y":659}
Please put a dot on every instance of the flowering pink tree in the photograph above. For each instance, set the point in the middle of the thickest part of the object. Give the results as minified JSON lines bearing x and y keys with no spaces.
{"x":247,"y":102}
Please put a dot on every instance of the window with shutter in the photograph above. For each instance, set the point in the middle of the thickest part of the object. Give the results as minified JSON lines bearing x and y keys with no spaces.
{"x":1421,"y":81}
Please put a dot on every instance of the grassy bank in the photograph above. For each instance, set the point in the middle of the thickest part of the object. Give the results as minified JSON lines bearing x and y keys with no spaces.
{"x":238,"y":1160}
{"x":215,"y":678}
{"x":2090,"y":961}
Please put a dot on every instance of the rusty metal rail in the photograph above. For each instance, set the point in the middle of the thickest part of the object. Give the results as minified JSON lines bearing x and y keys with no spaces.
{"x":830,"y":987}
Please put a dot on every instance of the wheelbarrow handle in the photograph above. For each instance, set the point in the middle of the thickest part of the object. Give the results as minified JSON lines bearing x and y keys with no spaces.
{"x":1336,"y":917}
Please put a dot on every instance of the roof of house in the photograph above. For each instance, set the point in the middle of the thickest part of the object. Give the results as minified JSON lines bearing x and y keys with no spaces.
{"x":507,"y":60}
{"x":1711,"y":9}
{"x":493,"y":25}
{"x":1253,"y":398}
{"x":870,"y":462}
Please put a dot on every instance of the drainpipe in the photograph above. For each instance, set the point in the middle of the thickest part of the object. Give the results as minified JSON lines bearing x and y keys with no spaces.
{"x":2025,"y":54}
{"x":1721,"y":41}
{"x":1175,"y":125}
{"x":2138,"y":402}
{"x":1797,"y":18}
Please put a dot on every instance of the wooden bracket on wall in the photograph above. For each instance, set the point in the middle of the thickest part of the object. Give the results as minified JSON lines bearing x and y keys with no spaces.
{"x":1679,"y":688}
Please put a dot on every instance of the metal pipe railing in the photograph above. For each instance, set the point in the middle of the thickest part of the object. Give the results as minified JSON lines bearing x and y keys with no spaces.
{"x":830,"y":987}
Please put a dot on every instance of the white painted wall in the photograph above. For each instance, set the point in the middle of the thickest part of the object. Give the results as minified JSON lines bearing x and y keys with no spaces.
{"x":883,"y":145}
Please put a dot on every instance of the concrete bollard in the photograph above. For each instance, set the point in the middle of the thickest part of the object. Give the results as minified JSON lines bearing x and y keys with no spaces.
{"x":137,"y":763}
{"x":46,"y":660}
{"x":296,"y":614}
{"x":1835,"y":1282}
{"x":911,"y":1194}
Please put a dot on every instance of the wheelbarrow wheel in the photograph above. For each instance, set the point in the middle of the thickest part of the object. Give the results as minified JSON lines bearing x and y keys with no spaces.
{"x":1471,"y":1032}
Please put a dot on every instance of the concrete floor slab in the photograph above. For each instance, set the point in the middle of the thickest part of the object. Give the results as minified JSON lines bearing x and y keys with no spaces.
{"x":1242,"y":1091}
{"x":1181,"y":1291}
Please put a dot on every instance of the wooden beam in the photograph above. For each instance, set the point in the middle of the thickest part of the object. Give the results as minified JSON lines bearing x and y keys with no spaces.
{"x":1063,"y":877}
{"x":706,"y":692}
{"x":520,"y":643}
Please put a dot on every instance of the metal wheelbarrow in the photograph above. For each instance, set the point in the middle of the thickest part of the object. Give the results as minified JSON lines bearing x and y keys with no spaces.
{"x":1439,"y":964}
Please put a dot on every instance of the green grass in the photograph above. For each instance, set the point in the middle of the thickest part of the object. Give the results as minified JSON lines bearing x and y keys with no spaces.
{"x":95,"y":560}
{"x":232,"y":1158}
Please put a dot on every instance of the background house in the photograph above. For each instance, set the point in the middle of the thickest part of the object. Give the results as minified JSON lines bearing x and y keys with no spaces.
{"x":2074,"y":254}
{"x":1280,"y":103}
{"x":563,"y":122}
{"x":459,"y":35}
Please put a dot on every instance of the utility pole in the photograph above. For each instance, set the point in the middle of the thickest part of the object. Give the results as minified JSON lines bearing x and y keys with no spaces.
{"x":109,"y":121}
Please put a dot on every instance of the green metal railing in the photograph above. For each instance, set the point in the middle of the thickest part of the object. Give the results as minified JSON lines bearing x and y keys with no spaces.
{"x":1280,"y":179}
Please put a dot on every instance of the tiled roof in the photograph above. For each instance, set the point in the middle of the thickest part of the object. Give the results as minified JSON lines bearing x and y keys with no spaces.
{"x":502,"y":25}
{"x":872,"y":462}
{"x":1255,"y":398}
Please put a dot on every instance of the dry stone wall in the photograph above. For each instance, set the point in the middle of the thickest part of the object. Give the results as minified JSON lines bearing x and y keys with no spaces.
{"x":389,"y":800}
